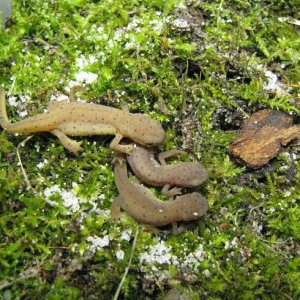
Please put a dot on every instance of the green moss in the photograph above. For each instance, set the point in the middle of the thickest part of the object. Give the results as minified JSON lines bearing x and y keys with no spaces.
{"x":199,"y":68}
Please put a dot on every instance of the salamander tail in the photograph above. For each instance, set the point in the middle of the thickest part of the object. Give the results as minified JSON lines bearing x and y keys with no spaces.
{"x":3,"y":115}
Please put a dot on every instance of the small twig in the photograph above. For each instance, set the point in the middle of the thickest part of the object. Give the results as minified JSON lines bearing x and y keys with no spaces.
{"x":266,"y":243}
{"x":287,"y":296}
{"x":256,"y":208}
{"x":222,"y":273}
{"x":128,"y":266}
{"x":20,"y":161}
{"x":218,"y":12}
{"x":30,"y":273}
{"x":291,"y":85}
{"x":59,"y":247}
{"x":277,"y":243}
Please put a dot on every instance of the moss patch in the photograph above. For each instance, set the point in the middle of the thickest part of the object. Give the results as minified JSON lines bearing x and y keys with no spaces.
{"x":200,"y":67}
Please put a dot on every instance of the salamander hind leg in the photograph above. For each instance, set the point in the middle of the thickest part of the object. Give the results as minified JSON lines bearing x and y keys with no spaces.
{"x":72,"y":145}
{"x":170,"y":153}
{"x":171,"y":192}
{"x":179,"y":230}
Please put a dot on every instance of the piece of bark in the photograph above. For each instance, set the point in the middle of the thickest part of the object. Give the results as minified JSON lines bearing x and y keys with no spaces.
{"x":263,"y":136}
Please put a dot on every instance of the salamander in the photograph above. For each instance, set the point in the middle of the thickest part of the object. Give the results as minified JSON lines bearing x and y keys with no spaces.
{"x":148,"y":170}
{"x":83,"y":119}
{"x":139,"y":202}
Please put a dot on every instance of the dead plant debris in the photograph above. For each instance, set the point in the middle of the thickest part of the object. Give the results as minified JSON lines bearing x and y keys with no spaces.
{"x":262,"y":137}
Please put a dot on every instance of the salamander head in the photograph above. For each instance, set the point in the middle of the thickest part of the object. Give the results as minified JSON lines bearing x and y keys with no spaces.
{"x":193,"y":206}
{"x":146,"y":131}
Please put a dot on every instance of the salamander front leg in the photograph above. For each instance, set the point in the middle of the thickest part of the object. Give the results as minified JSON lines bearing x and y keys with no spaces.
{"x":115,"y":145}
{"x":72,"y":145}
{"x":170,"y":153}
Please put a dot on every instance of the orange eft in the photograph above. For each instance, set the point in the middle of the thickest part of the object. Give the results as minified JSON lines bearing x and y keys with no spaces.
{"x":139,"y":202}
{"x":148,"y":170}
{"x":82,"y":119}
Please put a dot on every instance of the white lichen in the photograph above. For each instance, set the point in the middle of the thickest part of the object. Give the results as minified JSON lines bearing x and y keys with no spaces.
{"x":97,"y":242}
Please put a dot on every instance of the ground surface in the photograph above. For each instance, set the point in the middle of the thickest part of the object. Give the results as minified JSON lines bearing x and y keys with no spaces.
{"x":200,"y":67}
